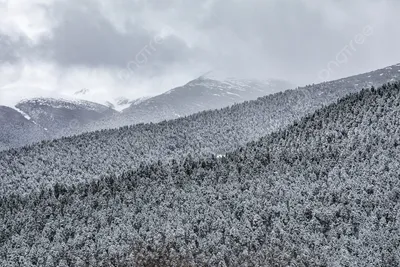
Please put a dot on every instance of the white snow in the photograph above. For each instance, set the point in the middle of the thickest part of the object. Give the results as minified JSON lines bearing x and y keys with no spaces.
{"x":23,"y":113}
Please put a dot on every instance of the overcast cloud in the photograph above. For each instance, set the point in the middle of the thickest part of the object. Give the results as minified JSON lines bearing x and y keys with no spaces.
{"x":135,"y":48}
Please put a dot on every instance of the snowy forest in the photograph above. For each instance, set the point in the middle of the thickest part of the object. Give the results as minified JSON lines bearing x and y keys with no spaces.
{"x":318,"y":190}
{"x":215,"y":133}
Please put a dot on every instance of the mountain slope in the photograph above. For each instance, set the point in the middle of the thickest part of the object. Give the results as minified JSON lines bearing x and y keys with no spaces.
{"x":208,"y":92}
{"x":60,"y":116}
{"x":17,"y":129}
{"x":201,"y":94}
{"x":209,"y":132}
{"x":323,"y":192}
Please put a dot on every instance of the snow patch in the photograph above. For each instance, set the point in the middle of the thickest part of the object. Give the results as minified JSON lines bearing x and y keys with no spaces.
{"x":23,"y":113}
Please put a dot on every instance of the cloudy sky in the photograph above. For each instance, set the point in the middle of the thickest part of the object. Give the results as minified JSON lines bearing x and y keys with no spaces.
{"x":135,"y":48}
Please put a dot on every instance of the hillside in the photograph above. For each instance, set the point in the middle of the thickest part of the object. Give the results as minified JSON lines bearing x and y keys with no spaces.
{"x":322,"y":192}
{"x":203,"y":93}
{"x":88,"y":156}
{"x":61,"y":117}
{"x":37,"y":119}
{"x":17,"y":129}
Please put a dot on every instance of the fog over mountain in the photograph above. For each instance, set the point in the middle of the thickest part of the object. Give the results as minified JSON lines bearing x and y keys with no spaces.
{"x":132,"y":49}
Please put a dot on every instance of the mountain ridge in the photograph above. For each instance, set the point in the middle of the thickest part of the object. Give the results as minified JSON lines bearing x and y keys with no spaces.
{"x":70,"y":116}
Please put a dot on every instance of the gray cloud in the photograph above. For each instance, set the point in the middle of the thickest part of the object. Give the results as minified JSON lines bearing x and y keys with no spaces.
{"x":84,"y":36}
{"x":12,"y":50}
{"x":295,"y":39}
{"x":289,"y":39}
{"x":7,"y":52}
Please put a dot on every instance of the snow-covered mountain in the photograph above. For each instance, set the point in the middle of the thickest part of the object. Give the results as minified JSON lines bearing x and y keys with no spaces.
{"x":59,"y":116}
{"x":117,"y":103}
{"x":121,"y":103}
{"x":203,"y":93}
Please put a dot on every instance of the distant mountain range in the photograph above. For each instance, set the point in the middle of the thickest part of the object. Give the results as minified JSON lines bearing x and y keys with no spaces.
{"x":39,"y":119}
{"x":55,"y":118}
{"x":47,"y":118}
{"x":201,"y":94}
